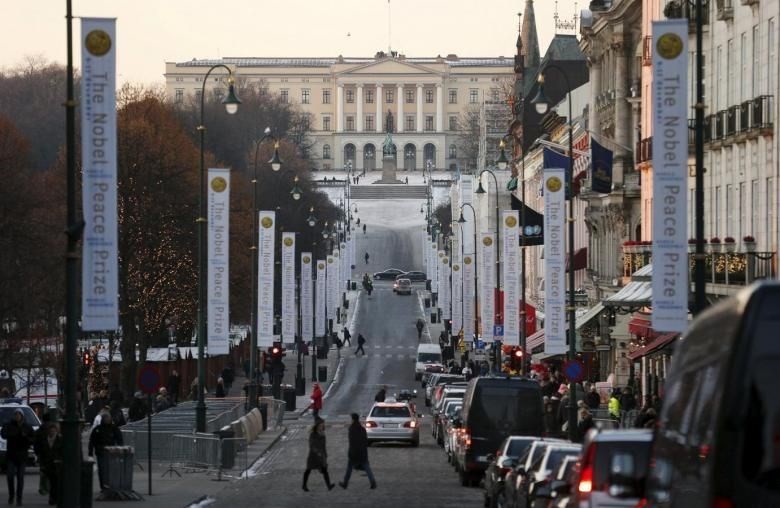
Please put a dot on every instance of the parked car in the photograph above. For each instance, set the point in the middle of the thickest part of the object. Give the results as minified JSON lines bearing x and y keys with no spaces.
{"x":495,"y":408}
{"x":439,"y":379}
{"x":392,"y":421}
{"x":541,"y":472}
{"x":613,"y":468}
{"x":441,"y":414}
{"x":7,"y":410}
{"x":455,"y":389}
{"x":450,"y":409}
{"x":403,"y":287}
{"x":388,"y":274}
{"x":554,"y":494}
{"x":506,"y":456}
{"x":532,"y":453}
{"x":451,"y":429}
{"x":716,"y":440}
{"x":413,"y":276}
{"x":426,"y":353}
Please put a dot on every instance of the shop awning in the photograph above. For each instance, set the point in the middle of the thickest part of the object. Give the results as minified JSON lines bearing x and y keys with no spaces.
{"x":534,"y":340}
{"x":634,"y":294}
{"x":537,"y":339}
{"x":655,"y":344}
{"x":640,"y":324}
{"x":580,"y":259}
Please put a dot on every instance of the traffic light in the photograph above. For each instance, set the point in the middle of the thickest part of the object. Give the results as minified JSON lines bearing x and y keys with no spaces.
{"x":86,"y":359}
{"x":276,"y":353}
{"x":517,"y":359}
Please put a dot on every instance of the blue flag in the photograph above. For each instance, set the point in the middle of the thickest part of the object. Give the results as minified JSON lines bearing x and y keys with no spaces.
{"x":553,"y":159}
{"x":601,"y":168}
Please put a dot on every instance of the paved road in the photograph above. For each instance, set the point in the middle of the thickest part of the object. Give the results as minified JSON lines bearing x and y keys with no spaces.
{"x":406,"y":476}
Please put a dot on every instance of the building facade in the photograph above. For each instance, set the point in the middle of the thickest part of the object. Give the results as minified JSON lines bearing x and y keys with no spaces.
{"x":351,"y":101}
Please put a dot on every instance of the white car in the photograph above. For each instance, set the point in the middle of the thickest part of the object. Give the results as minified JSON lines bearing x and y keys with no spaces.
{"x":426,"y":354}
{"x":393,"y":421}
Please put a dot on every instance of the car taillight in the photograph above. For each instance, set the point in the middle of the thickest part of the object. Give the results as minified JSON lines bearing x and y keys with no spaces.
{"x":585,"y":485}
{"x":410,"y":425}
{"x":722,"y":502}
{"x":504,"y":470}
{"x":466,"y":438}
{"x":371,"y":424}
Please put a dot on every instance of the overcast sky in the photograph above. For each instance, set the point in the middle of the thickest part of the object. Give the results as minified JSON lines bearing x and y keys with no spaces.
{"x":151,"y":32}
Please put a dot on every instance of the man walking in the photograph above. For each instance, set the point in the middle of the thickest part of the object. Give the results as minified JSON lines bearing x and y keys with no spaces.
{"x":420,"y":325}
{"x":357,"y":454}
{"x":347,"y":336}
{"x":18,"y":435}
{"x":360,"y":340}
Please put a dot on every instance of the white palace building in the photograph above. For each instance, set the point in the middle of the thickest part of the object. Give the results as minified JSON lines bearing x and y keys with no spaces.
{"x":348,"y":100}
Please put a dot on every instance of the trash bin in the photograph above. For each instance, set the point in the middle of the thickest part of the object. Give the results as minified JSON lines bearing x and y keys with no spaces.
{"x":263,"y":408}
{"x":434,"y":317}
{"x":427,"y":302}
{"x":428,"y":284}
{"x":288,"y":396}
{"x":87,"y":465}
{"x":322,"y":373}
{"x":354,"y":286}
{"x":227,"y":447}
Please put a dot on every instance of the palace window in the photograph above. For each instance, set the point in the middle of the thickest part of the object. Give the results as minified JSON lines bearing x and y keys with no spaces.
{"x":453,"y":96}
{"x":369,"y":123}
{"x":409,"y":123}
{"x":429,"y":96}
{"x":179,"y":97}
{"x":326,"y":96}
{"x":350,"y":95}
{"x":284,"y":95}
{"x":409,"y":96}
{"x":305,"y":96}
{"x":326,"y":123}
{"x":473,"y":96}
{"x":453,"y":152}
{"x":453,"y":123}
{"x":369,"y":96}
{"x":350,"y":123}
{"x":326,"y":151}
{"x":389,"y":96}
{"x":429,"y":122}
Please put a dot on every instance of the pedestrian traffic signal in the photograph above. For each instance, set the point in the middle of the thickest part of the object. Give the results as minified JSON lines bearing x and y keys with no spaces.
{"x":87,"y":359}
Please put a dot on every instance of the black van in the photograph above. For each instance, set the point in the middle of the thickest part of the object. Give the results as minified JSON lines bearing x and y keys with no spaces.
{"x":495,"y":408}
{"x":718,"y":436}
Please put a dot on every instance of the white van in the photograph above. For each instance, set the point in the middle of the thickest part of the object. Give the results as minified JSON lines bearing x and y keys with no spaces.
{"x":426,"y":354}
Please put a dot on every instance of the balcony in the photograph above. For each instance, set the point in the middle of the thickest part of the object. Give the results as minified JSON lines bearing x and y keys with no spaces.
{"x":750,"y":119}
{"x":725,"y":9}
{"x":644,"y":150}
{"x":731,"y":120}
{"x":761,"y":117}
{"x":689,"y":11}
{"x":735,"y":268}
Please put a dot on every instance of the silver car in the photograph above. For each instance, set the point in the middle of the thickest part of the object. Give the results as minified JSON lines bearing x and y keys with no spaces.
{"x":392,"y":421}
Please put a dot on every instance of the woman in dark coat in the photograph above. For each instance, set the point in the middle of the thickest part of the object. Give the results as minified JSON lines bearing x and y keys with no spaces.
{"x":318,"y":454}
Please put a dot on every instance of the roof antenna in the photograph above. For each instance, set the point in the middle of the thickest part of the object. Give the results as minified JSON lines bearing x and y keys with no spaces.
{"x":389,"y":32}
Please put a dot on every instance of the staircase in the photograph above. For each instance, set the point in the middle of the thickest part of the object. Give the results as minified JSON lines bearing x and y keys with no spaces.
{"x":399,"y":191}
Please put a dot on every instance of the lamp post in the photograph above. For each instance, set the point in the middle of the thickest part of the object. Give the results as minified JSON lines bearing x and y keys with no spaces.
{"x":481,"y":190}
{"x":231,"y":103}
{"x":276,"y":164}
{"x":699,"y":293}
{"x":71,"y":437}
{"x":476,"y":270}
{"x":542,"y":104}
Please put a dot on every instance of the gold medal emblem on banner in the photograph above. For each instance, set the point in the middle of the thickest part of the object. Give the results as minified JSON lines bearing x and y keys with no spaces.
{"x":97,"y":42}
{"x":218,"y":184}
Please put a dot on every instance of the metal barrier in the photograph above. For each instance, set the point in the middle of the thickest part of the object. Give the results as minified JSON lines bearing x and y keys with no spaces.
{"x":628,"y":418}
{"x":225,"y":456}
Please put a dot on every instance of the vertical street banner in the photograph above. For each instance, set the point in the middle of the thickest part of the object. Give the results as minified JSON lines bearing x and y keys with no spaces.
{"x":100,"y":266}
{"x":457,"y":298}
{"x":320,"y":299}
{"x":218,"y":256}
{"x":466,"y":197}
{"x":424,"y":247}
{"x":336,"y":283}
{"x":330,"y":284}
{"x":511,"y":274}
{"x":289,"y":309}
{"x":487,"y":308}
{"x":343,"y":266}
{"x":307,"y":298}
{"x":554,"y":262}
{"x":468,"y":297}
{"x":670,"y":176}
{"x":265,"y":279}
{"x":434,"y":267}
{"x":444,"y":288}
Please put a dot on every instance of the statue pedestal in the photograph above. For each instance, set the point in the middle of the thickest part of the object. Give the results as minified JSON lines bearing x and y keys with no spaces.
{"x":388,"y":171}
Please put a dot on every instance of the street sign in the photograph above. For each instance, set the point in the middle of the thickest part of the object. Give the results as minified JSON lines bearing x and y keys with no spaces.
{"x":479,"y":355}
{"x":480,"y":344}
{"x":149,"y":380}
{"x":498,"y":330}
{"x":574,"y":370}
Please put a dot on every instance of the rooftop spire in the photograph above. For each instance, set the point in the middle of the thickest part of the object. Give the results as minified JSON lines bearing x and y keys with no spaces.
{"x":530,"y":40}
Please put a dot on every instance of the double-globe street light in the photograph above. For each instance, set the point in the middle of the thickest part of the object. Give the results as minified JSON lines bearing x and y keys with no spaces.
{"x":542,"y":104}
{"x":276,"y":165}
{"x":231,"y":103}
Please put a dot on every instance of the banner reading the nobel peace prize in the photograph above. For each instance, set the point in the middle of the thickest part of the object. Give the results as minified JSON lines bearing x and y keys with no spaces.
{"x":670,"y":175}
{"x":265,"y":279}
{"x":218,"y":286}
{"x":343,"y":266}
{"x":307,"y":316}
{"x":336,"y":284}
{"x":289,"y":310}
{"x":554,"y":262}
{"x":444,"y":288}
{"x":424,"y":250}
{"x":469,"y":269}
{"x":511,"y":274}
{"x":320,"y":299}
{"x":434,"y":268}
{"x":457,"y":298}
{"x":100,"y":268}
{"x":487,"y":307}
{"x":331,"y":298}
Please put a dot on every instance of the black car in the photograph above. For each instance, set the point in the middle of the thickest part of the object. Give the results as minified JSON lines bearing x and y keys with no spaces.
{"x":389,"y":274}
{"x":506,"y":456}
{"x":413,"y":276}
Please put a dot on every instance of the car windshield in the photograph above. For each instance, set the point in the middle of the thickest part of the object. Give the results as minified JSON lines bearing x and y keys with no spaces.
{"x":391,"y":412}
{"x":452,"y":409}
{"x":429,"y":357}
{"x":556,"y":458}
{"x":6,"y":413}
{"x":506,"y":409}
{"x":517,"y":447}
{"x":606,"y":450}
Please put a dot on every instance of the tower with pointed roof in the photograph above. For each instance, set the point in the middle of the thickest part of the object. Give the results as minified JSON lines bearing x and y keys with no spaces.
{"x":530,"y":40}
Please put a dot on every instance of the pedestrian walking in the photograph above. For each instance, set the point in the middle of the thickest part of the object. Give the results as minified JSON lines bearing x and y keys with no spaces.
{"x":614,"y":404}
{"x":593,"y":399}
{"x":174,"y":385}
{"x":316,"y":401}
{"x":162,"y":402}
{"x":347,"y":336}
{"x":18,"y":435}
{"x":105,"y":434}
{"x":219,"y":391}
{"x":364,"y":229}
{"x":48,"y":448}
{"x":360,"y":340}
{"x":381,"y":395}
{"x":228,"y":376}
{"x":420,"y":325}
{"x":318,"y":454}
{"x":138,"y":409}
{"x":357,"y":453}
{"x":366,"y":256}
